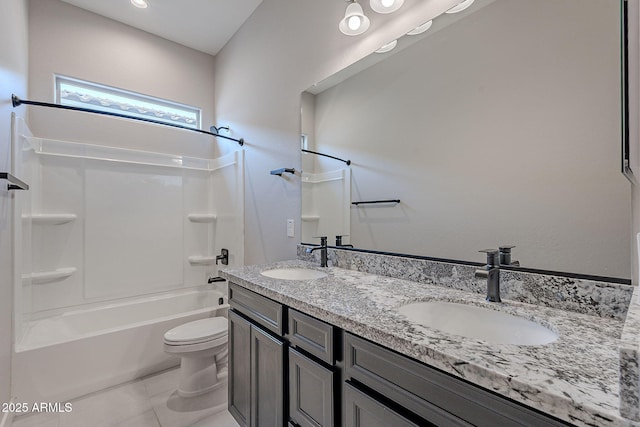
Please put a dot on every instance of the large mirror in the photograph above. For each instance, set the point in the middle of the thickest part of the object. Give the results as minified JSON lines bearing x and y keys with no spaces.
{"x":500,"y":125}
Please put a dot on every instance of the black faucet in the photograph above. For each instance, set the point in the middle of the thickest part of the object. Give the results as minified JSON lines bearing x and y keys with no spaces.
{"x":323,"y":251}
{"x":505,"y":256}
{"x":491,"y":272}
{"x":339,"y":243}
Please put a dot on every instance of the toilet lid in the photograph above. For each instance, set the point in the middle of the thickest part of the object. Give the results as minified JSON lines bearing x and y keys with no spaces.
{"x":197,"y":331}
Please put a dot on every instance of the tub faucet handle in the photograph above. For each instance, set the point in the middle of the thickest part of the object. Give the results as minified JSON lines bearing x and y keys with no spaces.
{"x":224,"y":257}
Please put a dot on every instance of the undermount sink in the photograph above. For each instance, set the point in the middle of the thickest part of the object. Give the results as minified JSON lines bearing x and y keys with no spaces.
{"x":294,"y":274}
{"x":476,"y":322}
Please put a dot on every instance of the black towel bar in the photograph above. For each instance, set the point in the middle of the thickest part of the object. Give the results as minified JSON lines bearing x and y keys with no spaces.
{"x":370,"y":202}
{"x":14,"y":183}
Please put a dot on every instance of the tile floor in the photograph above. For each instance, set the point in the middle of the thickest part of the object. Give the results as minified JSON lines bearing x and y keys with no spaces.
{"x":149,"y":402}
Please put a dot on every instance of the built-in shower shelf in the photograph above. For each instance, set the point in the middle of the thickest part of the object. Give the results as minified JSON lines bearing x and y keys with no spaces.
{"x":202,"y":260}
{"x":51,"y":219}
{"x":309,"y":218}
{"x":48,"y":276}
{"x":202,"y":217}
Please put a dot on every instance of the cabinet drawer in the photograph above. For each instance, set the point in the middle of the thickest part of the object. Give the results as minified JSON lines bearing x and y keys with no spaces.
{"x":262,"y":310}
{"x":311,"y":335}
{"x":361,"y":410}
{"x":432,"y":394}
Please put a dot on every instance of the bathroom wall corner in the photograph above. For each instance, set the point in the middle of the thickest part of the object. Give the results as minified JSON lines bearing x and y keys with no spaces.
{"x":13,"y":80}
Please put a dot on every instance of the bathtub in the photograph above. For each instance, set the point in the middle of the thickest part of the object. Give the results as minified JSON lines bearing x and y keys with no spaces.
{"x":81,"y":351}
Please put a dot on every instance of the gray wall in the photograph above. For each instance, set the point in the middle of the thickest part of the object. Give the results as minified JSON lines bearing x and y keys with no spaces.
{"x":13,"y":79}
{"x":71,"y":41}
{"x":281,"y":50}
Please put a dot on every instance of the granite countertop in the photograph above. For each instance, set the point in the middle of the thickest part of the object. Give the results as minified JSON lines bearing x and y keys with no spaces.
{"x":575,"y":378}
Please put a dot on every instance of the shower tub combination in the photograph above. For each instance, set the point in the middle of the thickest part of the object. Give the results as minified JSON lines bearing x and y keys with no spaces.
{"x":81,"y":351}
{"x":112,"y":248}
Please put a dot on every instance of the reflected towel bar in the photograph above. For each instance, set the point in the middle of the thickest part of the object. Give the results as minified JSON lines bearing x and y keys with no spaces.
{"x":370,"y":202}
{"x":348,"y":162}
{"x":17,"y":102}
{"x":14,"y":183}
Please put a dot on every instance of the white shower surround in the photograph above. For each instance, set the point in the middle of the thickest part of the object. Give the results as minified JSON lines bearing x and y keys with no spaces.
{"x":104,"y":245}
{"x":102,"y":223}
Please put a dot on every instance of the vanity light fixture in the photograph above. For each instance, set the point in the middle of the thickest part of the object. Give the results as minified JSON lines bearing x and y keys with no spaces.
{"x":420,"y":28}
{"x":386,"y":6}
{"x":460,"y":6}
{"x":354,"y":22}
{"x":387,"y":47}
{"x":141,"y":4}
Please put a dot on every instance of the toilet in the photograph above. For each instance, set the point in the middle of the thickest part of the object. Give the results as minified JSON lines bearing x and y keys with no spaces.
{"x":202,"y":347}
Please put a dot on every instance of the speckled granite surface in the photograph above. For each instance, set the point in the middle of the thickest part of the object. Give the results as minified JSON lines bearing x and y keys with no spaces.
{"x":630,"y":361}
{"x":576,"y":378}
{"x":580,"y":295}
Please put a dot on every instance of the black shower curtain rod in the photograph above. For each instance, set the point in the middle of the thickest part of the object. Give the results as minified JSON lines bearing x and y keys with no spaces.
{"x":348,"y":162}
{"x":17,"y":102}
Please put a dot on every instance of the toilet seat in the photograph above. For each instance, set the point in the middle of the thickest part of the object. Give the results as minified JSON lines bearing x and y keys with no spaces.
{"x":198,"y":332}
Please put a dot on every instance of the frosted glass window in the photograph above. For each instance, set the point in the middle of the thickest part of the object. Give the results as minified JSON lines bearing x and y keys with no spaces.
{"x":83,"y":94}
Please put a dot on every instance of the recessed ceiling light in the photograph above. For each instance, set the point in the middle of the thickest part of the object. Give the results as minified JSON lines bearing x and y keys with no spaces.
{"x":421,"y":28}
{"x":142,"y":4}
{"x":460,"y":6}
{"x":387,"y":47}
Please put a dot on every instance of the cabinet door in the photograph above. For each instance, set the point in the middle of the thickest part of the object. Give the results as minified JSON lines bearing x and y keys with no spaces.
{"x":311,"y":392}
{"x":267,"y":380}
{"x":361,"y":410}
{"x":239,"y":369}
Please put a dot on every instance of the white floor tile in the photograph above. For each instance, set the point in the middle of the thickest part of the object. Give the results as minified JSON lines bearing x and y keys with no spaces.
{"x":37,"y":420}
{"x":222,"y":419}
{"x":175,"y":411}
{"x":108,"y":408}
{"x":151,"y":402}
{"x":148,"y":419}
{"x":162,"y":382}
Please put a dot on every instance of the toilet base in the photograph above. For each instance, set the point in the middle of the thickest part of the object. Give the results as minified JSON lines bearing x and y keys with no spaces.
{"x":217,"y":385}
{"x":199,"y":375}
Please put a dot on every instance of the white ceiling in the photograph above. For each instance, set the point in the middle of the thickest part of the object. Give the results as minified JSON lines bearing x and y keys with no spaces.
{"x":204,"y":25}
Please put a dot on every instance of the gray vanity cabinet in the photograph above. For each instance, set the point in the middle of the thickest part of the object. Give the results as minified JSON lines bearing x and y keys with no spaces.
{"x":272,"y":369}
{"x":311,"y":392}
{"x":239,"y":369}
{"x":267,"y":379}
{"x":256,"y":362}
{"x":361,"y":410}
{"x":256,"y":375}
{"x":434,"y":396}
{"x":313,"y":378}
{"x":287,"y":368}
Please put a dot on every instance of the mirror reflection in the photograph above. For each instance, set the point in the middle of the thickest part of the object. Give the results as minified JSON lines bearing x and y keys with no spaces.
{"x":497,"y":126}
